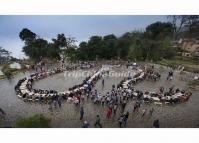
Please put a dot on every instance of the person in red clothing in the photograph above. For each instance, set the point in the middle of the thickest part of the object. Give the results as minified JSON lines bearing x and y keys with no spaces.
{"x":109,"y":112}
{"x":78,"y":97}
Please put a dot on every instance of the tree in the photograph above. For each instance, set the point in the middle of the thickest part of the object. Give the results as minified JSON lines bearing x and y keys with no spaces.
{"x":136,"y":50}
{"x":36,"y":49}
{"x":109,"y":47}
{"x":27,"y":35}
{"x":159,"y":30}
{"x":71,"y":53}
{"x":61,"y":45}
{"x":123,"y":45}
{"x":178,"y":22}
{"x":82,"y":51}
{"x":192,"y":24}
{"x":4,"y":55}
{"x":94,"y":47}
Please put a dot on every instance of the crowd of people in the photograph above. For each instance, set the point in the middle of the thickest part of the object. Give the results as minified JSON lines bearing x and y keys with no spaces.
{"x":24,"y":88}
{"x":151,"y":74}
{"x":118,"y":96}
{"x":124,"y":92}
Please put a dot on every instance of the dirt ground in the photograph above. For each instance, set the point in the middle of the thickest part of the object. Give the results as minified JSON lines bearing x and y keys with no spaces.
{"x":172,"y":116}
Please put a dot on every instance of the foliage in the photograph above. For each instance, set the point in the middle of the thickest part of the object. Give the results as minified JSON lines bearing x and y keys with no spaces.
{"x":2,"y":77}
{"x":98,"y":47}
{"x":35,"y":121}
{"x":27,"y":35}
{"x":184,"y":26}
{"x":38,"y":48}
{"x":159,"y":30}
{"x":7,"y":70}
{"x":153,"y":44}
{"x":4,"y":55}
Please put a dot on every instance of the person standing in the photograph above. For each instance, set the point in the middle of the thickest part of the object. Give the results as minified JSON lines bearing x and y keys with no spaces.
{"x":124,"y":103}
{"x":85,"y":124}
{"x":109,"y":112}
{"x":59,"y":100}
{"x":156,"y":124}
{"x":143,"y":112}
{"x":120,"y":120}
{"x":97,"y":122}
{"x":126,"y":116}
{"x":55,"y":103}
{"x":151,"y":111}
{"x":102,"y":83}
{"x":115,"y":108}
{"x":50,"y":105}
{"x":81,"y":112}
{"x":103,"y":100}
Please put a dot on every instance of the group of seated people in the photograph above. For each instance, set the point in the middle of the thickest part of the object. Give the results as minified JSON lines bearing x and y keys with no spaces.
{"x":171,"y":96}
{"x":152,"y":74}
{"x":175,"y":96}
{"x":86,"y":65}
{"x":24,"y":87}
{"x":121,"y":93}
{"x":79,"y":91}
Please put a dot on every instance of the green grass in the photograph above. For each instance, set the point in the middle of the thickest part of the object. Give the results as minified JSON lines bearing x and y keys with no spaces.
{"x":189,"y":64}
{"x":2,"y":77}
{"x":35,"y":121}
{"x":193,"y":83}
{"x":178,"y":61}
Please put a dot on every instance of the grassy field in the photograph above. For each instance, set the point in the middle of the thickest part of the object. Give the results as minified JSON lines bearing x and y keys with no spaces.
{"x":193,"y":83}
{"x":189,"y":64}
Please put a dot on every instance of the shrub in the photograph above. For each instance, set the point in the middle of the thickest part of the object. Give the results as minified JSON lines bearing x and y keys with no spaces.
{"x":35,"y":121}
{"x":7,"y":70}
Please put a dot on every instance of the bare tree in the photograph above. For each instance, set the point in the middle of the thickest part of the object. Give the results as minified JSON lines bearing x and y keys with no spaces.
{"x":178,"y":21}
{"x":192,"y":23}
{"x":4,"y":55}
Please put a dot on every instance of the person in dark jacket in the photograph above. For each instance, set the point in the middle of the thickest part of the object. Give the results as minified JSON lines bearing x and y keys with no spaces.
{"x":97,"y":122}
{"x":126,"y":116}
{"x":120,"y":120}
{"x":2,"y":112}
{"x":156,"y":124}
{"x":81,"y":112}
